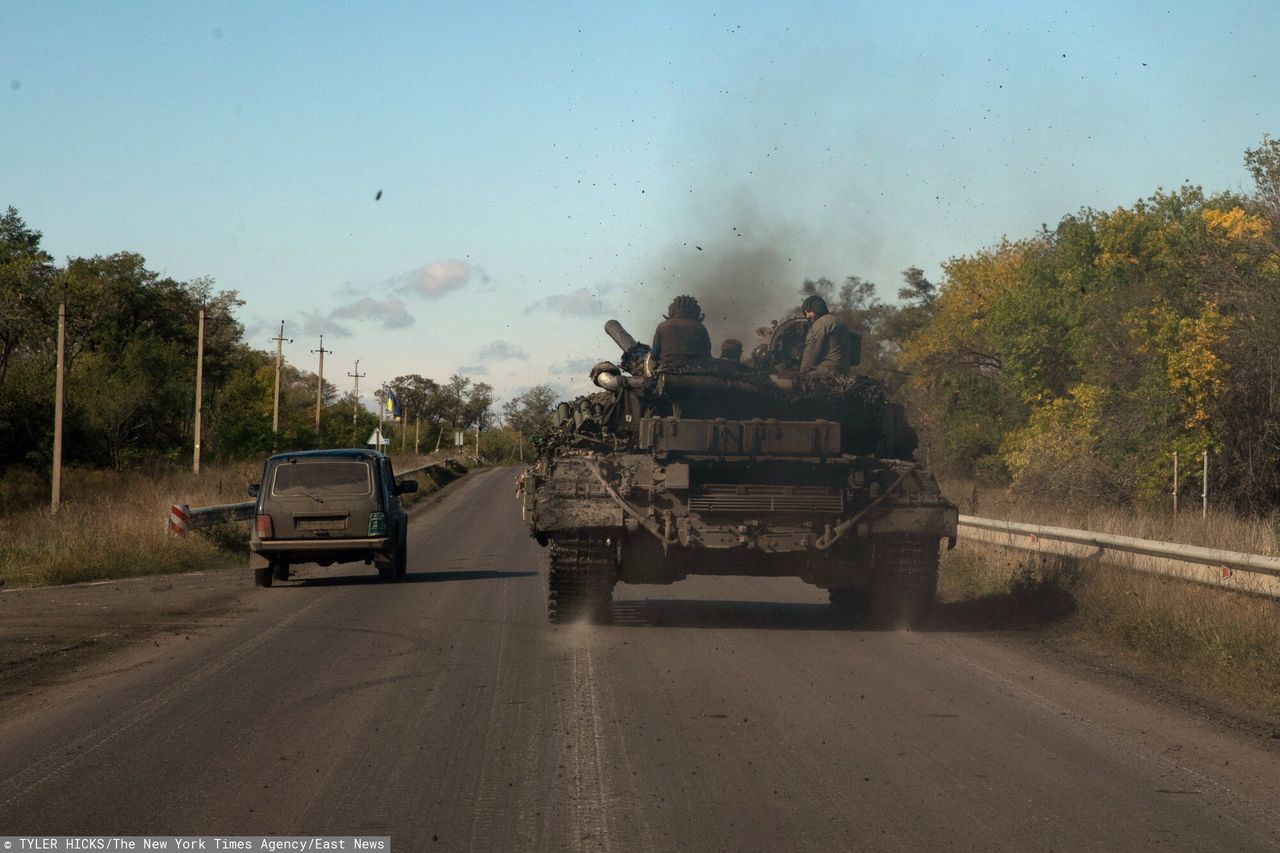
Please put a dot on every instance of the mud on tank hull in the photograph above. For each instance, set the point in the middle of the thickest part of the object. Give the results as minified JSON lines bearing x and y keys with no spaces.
{"x":865,"y":528}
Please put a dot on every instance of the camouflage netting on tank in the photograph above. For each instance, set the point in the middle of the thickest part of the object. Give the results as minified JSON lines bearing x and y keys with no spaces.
{"x":585,"y":425}
{"x":849,"y":388}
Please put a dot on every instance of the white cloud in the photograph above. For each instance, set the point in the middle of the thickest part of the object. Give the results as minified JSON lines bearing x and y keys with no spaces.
{"x":390,"y":312}
{"x":438,"y":278}
{"x":501,"y":351}
{"x":579,"y":303}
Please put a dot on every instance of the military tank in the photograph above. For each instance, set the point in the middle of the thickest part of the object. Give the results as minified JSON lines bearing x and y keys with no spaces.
{"x":718,"y":467}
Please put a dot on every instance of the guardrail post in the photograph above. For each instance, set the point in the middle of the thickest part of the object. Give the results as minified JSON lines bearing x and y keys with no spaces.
{"x":1204,"y":491}
{"x":179,"y":520}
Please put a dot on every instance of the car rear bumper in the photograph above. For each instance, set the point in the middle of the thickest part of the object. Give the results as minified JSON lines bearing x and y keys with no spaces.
{"x":275,"y":546}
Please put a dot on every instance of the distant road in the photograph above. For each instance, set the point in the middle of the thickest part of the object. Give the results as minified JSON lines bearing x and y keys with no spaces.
{"x":719,"y":714}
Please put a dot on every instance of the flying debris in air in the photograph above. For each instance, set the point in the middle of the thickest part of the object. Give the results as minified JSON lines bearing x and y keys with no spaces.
{"x":378,"y":197}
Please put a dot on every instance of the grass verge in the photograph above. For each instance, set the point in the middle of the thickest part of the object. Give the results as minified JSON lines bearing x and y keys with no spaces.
{"x":114,"y":525}
{"x":100,"y":539}
{"x":1215,"y":529}
{"x":1210,"y":642}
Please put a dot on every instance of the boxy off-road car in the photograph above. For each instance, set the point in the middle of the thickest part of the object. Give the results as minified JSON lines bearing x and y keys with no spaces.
{"x":326,"y":507}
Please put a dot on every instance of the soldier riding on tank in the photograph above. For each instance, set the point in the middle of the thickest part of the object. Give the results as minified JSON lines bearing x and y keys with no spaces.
{"x":828,"y":345}
{"x":681,"y":338}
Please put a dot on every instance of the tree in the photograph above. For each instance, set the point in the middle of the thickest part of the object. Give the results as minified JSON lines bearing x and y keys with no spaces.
{"x":475,"y":411}
{"x":26,"y":320}
{"x":527,"y":412}
{"x":26,"y":275}
{"x":421,"y":400}
{"x":1263,"y":164}
{"x":919,"y":298}
{"x":240,"y":410}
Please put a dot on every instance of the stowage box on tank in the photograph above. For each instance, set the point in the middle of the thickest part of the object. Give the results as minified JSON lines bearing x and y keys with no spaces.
{"x":727,"y":469}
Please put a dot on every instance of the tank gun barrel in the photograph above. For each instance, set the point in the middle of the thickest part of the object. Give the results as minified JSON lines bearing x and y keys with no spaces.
{"x":633,"y":352}
{"x":620,"y":336}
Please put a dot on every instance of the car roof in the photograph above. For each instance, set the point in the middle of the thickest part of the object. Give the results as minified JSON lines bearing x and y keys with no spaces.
{"x":348,"y":453}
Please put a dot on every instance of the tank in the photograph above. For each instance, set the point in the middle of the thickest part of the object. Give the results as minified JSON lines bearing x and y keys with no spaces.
{"x":727,"y":468}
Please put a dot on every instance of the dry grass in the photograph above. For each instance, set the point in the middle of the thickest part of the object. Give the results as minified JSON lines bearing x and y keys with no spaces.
{"x":1210,"y":640}
{"x":113,"y":525}
{"x":1221,"y":529}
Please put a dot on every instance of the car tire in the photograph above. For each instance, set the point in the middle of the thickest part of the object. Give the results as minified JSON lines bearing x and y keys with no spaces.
{"x":262,"y":577}
{"x":282,"y":571}
{"x":402,"y":554}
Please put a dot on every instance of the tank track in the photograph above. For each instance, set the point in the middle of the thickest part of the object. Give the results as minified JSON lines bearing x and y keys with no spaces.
{"x":848,"y":601}
{"x":580,"y":580}
{"x":905,"y":580}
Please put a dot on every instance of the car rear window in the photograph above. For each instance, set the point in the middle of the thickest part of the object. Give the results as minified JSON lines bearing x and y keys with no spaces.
{"x":322,"y":478}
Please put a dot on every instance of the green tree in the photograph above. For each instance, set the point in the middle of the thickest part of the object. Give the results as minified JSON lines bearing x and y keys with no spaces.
{"x":26,"y":274}
{"x":475,"y":411}
{"x":526,"y":413}
{"x":27,"y":317}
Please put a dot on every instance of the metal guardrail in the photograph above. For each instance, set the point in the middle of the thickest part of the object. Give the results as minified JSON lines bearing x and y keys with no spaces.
{"x":183,"y":517}
{"x":1255,"y":573}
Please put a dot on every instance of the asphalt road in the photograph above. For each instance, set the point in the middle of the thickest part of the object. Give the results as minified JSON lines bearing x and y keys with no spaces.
{"x":718,"y":714}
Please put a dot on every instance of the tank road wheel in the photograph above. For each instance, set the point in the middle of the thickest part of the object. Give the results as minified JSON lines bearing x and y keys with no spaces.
{"x":904,"y":581}
{"x":581,"y":579}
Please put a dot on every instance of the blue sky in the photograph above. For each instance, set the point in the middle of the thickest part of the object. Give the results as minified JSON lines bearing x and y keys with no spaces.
{"x":544,"y":167}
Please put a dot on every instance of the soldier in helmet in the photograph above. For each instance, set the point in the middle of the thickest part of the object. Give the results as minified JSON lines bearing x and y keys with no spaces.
{"x":681,"y":337}
{"x":828,"y":346}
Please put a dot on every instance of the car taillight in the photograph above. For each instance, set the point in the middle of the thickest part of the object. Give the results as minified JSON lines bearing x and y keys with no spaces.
{"x":265,"y":528}
{"x":377,"y":524}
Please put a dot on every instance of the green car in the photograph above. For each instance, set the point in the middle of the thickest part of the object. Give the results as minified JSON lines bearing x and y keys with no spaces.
{"x":326,"y":507}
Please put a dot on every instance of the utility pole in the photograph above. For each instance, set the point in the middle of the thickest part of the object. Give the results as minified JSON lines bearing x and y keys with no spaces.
{"x":200,"y":379}
{"x":355,"y":406}
{"x":416,"y":450}
{"x":382,"y":413}
{"x":1175,"y":485}
{"x":275,"y":409}
{"x":320,"y":386}
{"x":57,"y":406}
